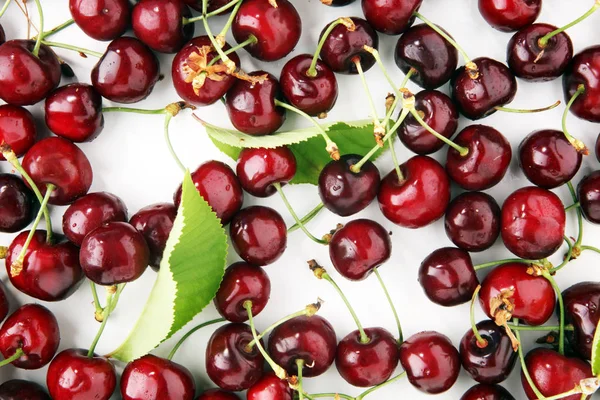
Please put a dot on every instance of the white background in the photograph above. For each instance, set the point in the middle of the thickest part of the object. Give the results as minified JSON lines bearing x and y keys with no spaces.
{"x":130,"y":160}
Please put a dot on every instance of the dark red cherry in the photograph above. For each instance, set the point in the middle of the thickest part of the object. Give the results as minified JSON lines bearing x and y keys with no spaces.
{"x":155,"y":222}
{"x":127,"y":72}
{"x":342,"y":47}
{"x":486,"y":162}
{"x":432,"y":57}
{"x":258,"y":169}
{"x":269,"y":387}
{"x":242,"y":282}
{"x":230,"y":364}
{"x":487,"y":392}
{"x":358,"y":248}
{"x":72,"y":375}
{"x":583,"y":70}
{"x":490,"y":363}
{"x":90,"y":212}
{"x":114,"y":253}
{"x":216,"y":394}
{"x":51,"y":272}
{"x":212,"y":5}
{"x":533,"y":223}
{"x":160,"y":24}
{"x":494,"y":87}
{"x":588,"y":193}
{"x":16,"y":389}
{"x":4,"y":303}
{"x":189,"y":79}
{"x":18,"y":205}
{"x":344,"y":192}
{"x":510,"y":15}
{"x":582,"y":302}
{"x":367,"y":364}
{"x":391,"y":17}
{"x":152,"y":377}
{"x":311,"y":339}
{"x":219,"y":186}
{"x":472,"y":221}
{"x":529,"y":61}
{"x":101,"y":19}
{"x":2,"y":35}
{"x":532,"y":297}
{"x":447,"y":276}
{"x":438,"y":111}
{"x":420,"y":198}
{"x":431,"y":362}
{"x":33,"y":329}
{"x":315,"y":95}
{"x":258,"y":235}
{"x":17,"y":129}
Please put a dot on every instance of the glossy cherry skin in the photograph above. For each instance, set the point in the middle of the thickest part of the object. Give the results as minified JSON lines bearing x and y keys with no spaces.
{"x":553,"y":373}
{"x":219,"y":186}
{"x":277,"y":28}
{"x":34,"y":329}
{"x":18,"y":204}
{"x":127,"y":72}
{"x":511,"y":15}
{"x":155,"y":222}
{"x":583,"y":71}
{"x":472,"y":221}
{"x":431,"y":362}
{"x":72,"y":375}
{"x":367,"y":364}
{"x":242,"y":282}
{"x":391,"y":17}
{"x":160,"y":24}
{"x":17,"y":129}
{"x":186,"y":72}
{"x":487,"y":392}
{"x":581,"y":309}
{"x":533,"y":297}
{"x":420,"y":198}
{"x":588,"y":194}
{"x":151,"y":377}
{"x":4,"y":303}
{"x":359,"y":247}
{"x":251,"y":106}
{"x":439,"y":113}
{"x":16,"y":389}
{"x":59,"y":162}
{"x":447,"y":277}
{"x":315,"y":95}
{"x":258,"y":235}
{"x":216,"y":394}
{"x":259,"y":168}
{"x":311,"y":339}
{"x":344,"y":192}
{"x":269,"y":387}
{"x":51,"y":272}
{"x":101,"y":19}
{"x":527,"y":60}
{"x":477,"y":98}
{"x":229,"y":363}
{"x":90,"y":212}
{"x":432,"y":57}
{"x":533,"y":223}
{"x":342,"y":47}
{"x":486,"y":162}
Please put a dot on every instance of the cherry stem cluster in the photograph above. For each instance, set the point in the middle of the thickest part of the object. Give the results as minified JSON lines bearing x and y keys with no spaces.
{"x":389,"y":299}
{"x":190,"y":333}
{"x":18,"y":354}
{"x":218,"y":11}
{"x":216,"y":45}
{"x":543,"y":41}
{"x":112,"y":298}
{"x":307,"y":218}
{"x":251,"y":40}
{"x":567,"y":258}
{"x":54,"y":30}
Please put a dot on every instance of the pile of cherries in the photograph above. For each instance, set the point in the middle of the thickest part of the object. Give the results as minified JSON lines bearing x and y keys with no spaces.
{"x":100,"y":243}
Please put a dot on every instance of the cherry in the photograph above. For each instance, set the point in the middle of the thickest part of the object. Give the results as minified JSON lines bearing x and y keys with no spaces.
{"x":51,"y":272}
{"x":242,"y":282}
{"x":127,"y":72}
{"x":533,"y":223}
{"x":532,"y":298}
{"x":59,"y":162}
{"x":18,"y":205}
{"x":487,"y":392}
{"x":34,"y":330}
{"x":151,"y":377}
{"x":219,"y":186}
{"x":72,"y":375}
{"x":258,"y":235}
{"x":367,"y":364}
{"x":155,"y":222}
{"x":311,"y":339}
{"x":17,"y":129}
{"x":532,"y":62}
{"x":345,"y":192}
{"x":101,"y":19}
{"x":16,"y":389}
{"x":259,"y":168}
{"x":4,"y":303}
{"x":486,"y":161}
{"x":581,"y":309}
{"x":582,"y":71}
{"x":431,"y":57}
{"x":419,"y":198}
{"x":2,"y":35}
{"x":588,"y":192}
{"x":511,"y":15}
{"x":391,"y":17}
{"x":212,"y":5}
{"x":216,"y":394}
{"x":230,"y":363}
{"x":160,"y":24}
{"x":90,"y":212}
{"x":269,"y":387}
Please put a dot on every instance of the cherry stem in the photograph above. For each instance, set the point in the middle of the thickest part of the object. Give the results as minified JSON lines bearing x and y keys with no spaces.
{"x":504,"y":261}
{"x":575,"y":390}
{"x":375,"y":53}
{"x":213,"y":41}
{"x":230,"y":20}
{"x":447,"y":37}
{"x":578,"y":144}
{"x":463,"y":151}
{"x":392,"y":107}
{"x":168,"y":118}
{"x":300,"y":367}
{"x":399,"y":173}
{"x":378,"y":127}
{"x":537,"y":392}
{"x":579,"y":217}
{"x":190,"y":332}
{"x":481,"y":342}
{"x":54,"y":30}
{"x":574,"y":205}
{"x":4,"y":8}
{"x":543,"y":41}
{"x":80,"y":50}
{"x":561,"y":312}
{"x":567,"y":256}
{"x":389,"y":299}
{"x":374,"y":388}
{"x":307,"y":218}
{"x":134,"y":110}
{"x":251,"y":40}
{"x":527,"y":111}
{"x":541,"y":328}
{"x":592,"y":248}
{"x":226,"y":7}
{"x":97,"y":306}
{"x":112,"y":298}
{"x":38,"y":42}
{"x":311,"y":72}
{"x":18,"y":354}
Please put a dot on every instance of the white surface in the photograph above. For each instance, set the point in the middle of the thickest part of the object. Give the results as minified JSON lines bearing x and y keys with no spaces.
{"x":130,"y":160}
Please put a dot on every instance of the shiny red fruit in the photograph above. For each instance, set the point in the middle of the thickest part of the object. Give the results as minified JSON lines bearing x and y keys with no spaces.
{"x":510,"y":15}
{"x":588,"y":194}
{"x":259,"y":168}
{"x":269,"y":387}
{"x":2,"y":35}
{"x":155,"y":222}
{"x":583,"y":70}
{"x":487,"y":392}
{"x":17,"y":129}
{"x":160,"y":24}
{"x":18,"y":204}
{"x":212,"y":5}
{"x":391,"y":17}
{"x":101,"y":19}
{"x":582,"y":302}
{"x":216,"y":394}
{"x":16,"y":389}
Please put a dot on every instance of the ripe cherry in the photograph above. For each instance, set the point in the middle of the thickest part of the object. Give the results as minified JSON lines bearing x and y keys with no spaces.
{"x":259,"y":168}
{"x":582,"y":301}
{"x":17,"y":129}
{"x":16,"y":389}
{"x":101,"y":19}
{"x":588,"y":194}
{"x":18,"y":205}
{"x":582,"y":71}
{"x":511,"y":15}
{"x":2,"y":35}
{"x":160,"y":24}
{"x":212,"y":5}
{"x":391,"y":17}
{"x":269,"y":387}
{"x":155,"y":222}
{"x":216,"y":394}
{"x":487,"y":392}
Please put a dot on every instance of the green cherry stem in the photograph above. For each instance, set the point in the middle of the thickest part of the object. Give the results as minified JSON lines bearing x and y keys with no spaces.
{"x":327,"y":395}
{"x":375,"y":53}
{"x":378,"y":127}
{"x":229,"y":20}
{"x":216,"y":45}
{"x":4,"y":8}
{"x":97,"y":306}
{"x":134,"y":110}
{"x":389,"y":299}
{"x":541,"y":328}
{"x":300,"y":367}
{"x":504,"y":261}
{"x":374,"y":388}
{"x":167,"y":137}
{"x":463,"y":151}
{"x":18,"y":354}
{"x":592,"y":248}
{"x":112,"y":298}
{"x":80,"y":50}
{"x":543,"y":41}
{"x":574,"y":205}
{"x":577,"y":244}
{"x":578,"y":144}
{"x":190,"y":333}
{"x":561,"y":312}
{"x":311,"y":72}
{"x":226,"y":7}
{"x":55,"y":30}
{"x":251,"y":40}
{"x":527,"y":111}
{"x":537,"y":392}
{"x":399,"y":173}
{"x":307,"y":218}
{"x":481,"y":342}
{"x":567,"y":258}
{"x":38,"y":42}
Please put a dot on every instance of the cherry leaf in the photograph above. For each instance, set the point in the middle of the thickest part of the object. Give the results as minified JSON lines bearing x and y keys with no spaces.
{"x":596,"y":352}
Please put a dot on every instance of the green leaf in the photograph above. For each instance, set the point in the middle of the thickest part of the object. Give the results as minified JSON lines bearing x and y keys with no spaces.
{"x":190,"y":273}
{"x":596,"y":352}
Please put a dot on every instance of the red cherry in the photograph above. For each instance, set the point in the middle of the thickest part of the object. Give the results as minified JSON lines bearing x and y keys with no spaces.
{"x":2,"y":35}
{"x":18,"y":204}
{"x":216,"y":394}
{"x":258,"y":169}
{"x":588,"y":193}
{"x":583,"y":71}
{"x":269,"y":387}
{"x":101,"y":19}
{"x":16,"y":389}
{"x":4,"y":303}
{"x":155,"y":222}
{"x":160,"y":24}
{"x":487,"y":392}
{"x":391,"y":17}
{"x":17,"y":129}
{"x":213,"y":5}
{"x":582,"y":301}
{"x":510,"y":15}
